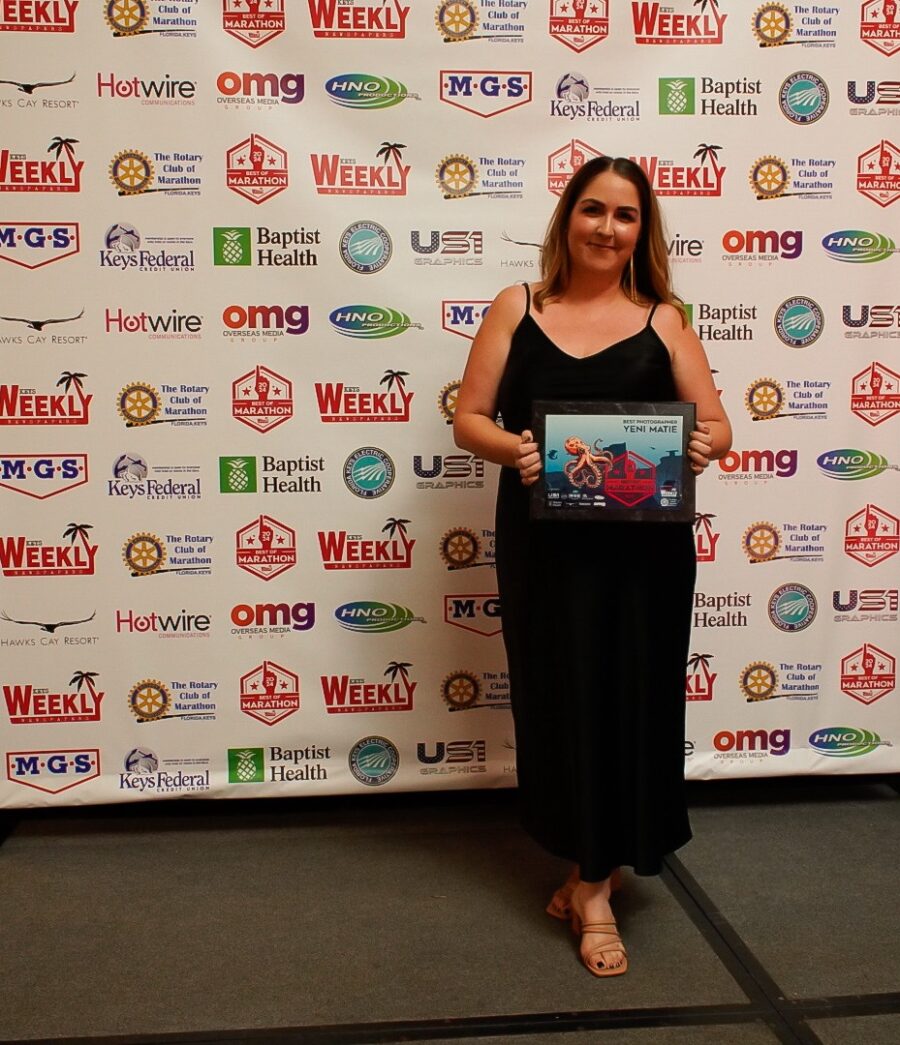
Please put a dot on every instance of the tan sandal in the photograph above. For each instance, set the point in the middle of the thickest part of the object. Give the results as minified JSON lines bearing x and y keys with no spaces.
{"x":560,"y":905}
{"x":594,"y":960}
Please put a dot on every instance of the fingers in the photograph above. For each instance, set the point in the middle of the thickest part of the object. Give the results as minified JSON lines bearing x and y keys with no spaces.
{"x":528,"y":459}
{"x":700,"y":448}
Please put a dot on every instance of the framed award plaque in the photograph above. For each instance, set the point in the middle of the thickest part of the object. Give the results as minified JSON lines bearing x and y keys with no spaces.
{"x":622,"y":461}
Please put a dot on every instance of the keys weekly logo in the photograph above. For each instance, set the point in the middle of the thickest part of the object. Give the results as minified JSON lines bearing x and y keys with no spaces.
{"x":655,"y":24}
{"x":358,"y":19}
{"x":22,"y":556}
{"x":28,"y":705}
{"x":25,"y":406}
{"x":336,"y":175}
{"x":38,"y":16}
{"x":344,"y":694}
{"x":673,"y":179}
{"x":339,"y":402}
{"x":341,"y":550}
{"x":18,"y":173}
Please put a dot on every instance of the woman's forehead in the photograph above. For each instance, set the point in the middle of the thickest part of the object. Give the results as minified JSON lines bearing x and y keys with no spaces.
{"x":611,"y":187}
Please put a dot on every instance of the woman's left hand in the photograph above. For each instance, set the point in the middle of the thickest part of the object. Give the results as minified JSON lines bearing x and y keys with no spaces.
{"x":699,"y":448}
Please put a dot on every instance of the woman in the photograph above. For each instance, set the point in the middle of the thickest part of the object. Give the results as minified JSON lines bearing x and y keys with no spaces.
{"x":596,"y":615}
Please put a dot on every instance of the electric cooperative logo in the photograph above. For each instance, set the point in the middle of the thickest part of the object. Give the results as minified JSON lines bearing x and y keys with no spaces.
{"x":18,"y":173}
{"x":868,"y":673}
{"x":459,"y":21}
{"x":131,"y":18}
{"x":463,"y":317}
{"x":262,"y":399}
{"x":340,"y":403}
{"x":358,"y":19}
{"x":42,"y":475}
{"x":140,"y":403}
{"x":375,"y":618}
{"x":336,"y":175}
{"x":147,"y":555}
{"x":22,"y":556}
{"x":879,"y":26}
{"x":699,"y":681}
{"x":26,"y":406}
{"x":247,"y":322}
{"x":799,"y":321}
{"x":53,"y":770}
{"x":878,"y":173}
{"x":27,"y":705}
{"x":565,"y":161}
{"x":269,"y":693}
{"x":479,"y":613}
{"x":872,"y":321}
{"x":792,"y":607}
{"x":374,"y":761}
{"x":803,"y":98}
{"x":654,"y":23}
{"x":875,"y":394}
{"x":856,"y":246}
{"x":872,"y":535}
{"x":773,"y":25}
{"x":38,"y":16}
{"x":370,"y":322}
{"x":345,"y":694}
{"x":33,"y":244}
{"x":259,"y":90}
{"x":485,"y":93}
{"x":341,"y":550}
{"x":266,"y":547}
{"x":256,"y":169}
{"x":366,"y":91}
{"x":577,"y":24}
{"x":366,"y":247}
{"x":244,"y":20}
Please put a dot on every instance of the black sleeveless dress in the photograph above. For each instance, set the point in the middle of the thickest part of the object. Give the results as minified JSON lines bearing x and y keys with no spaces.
{"x":596,"y":623}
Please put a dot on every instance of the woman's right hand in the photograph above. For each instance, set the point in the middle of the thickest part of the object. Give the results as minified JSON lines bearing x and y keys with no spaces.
{"x":528,"y":459}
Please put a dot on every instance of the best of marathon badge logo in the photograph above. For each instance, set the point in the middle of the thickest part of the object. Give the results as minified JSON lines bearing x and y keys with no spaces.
{"x":269,"y":693}
{"x":53,"y":770}
{"x":146,"y":555}
{"x":358,"y":19}
{"x":497,"y":21}
{"x":337,"y":175}
{"x":30,"y":557}
{"x":128,"y":18}
{"x":33,"y":244}
{"x":244,"y":20}
{"x":256,"y":169}
{"x":878,"y":173}
{"x":655,"y":24}
{"x":262,"y":399}
{"x":879,"y":26}
{"x":577,"y":24}
{"x":565,"y":161}
{"x":18,"y":173}
{"x":875,"y":394}
{"x":28,"y":16}
{"x":341,"y":550}
{"x":872,"y":535}
{"x":484,"y":93}
{"x":266,"y":547}
{"x":141,"y":403}
{"x":27,"y":705}
{"x":338,"y":402}
{"x":344,"y":694}
{"x":133,"y":172}
{"x":773,"y":25}
{"x":868,"y":673}
{"x":42,"y":475}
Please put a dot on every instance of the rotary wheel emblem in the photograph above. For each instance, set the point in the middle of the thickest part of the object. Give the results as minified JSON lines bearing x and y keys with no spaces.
{"x":131,"y":172}
{"x":456,"y":176}
{"x":758,"y":681}
{"x":761,"y":542}
{"x":769,"y":177}
{"x":459,"y":548}
{"x":144,"y":554}
{"x":447,"y":400}
{"x":126,"y":17}
{"x":456,"y":19}
{"x":771,"y":25}
{"x":139,"y":404}
{"x":764,"y":399}
{"x":149,"y":700}
{"x":461,"y":689}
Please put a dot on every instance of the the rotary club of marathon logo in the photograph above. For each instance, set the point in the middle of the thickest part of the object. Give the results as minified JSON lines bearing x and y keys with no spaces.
{"x":759,"y":681}
{"x":269,"y":693}
{"x":579,"y":24}
{"x":461,"y":548}
{"x":133,"y":172}
{"x":244,"y":20}
{"x":457,"y":176}
{"x":447,"y":400}
{"x":878,"y":173}
{"x":128,"y":18}
{"x":565,"y":161}
{"x":151,"y":700}
{"x":772,"y":25}
{"x":765,"y":400}
{"x":256,"y":169}
{"x":464,"y":690}
{"x":879,"y":25}
{"x":262,"y":399}
{"x":460,"y":21}
{"x":146,"y":555}
{"x":872,"y":535}
{"x":875,"y":394}
{"x":266,"y":547}
{"x":868,"y":673}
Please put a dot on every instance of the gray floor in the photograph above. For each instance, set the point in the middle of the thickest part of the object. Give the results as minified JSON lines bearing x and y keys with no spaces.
{"x":412,"y":918}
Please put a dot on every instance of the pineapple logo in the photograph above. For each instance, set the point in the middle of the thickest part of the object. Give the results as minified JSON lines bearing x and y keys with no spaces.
{"x":676,"y":96}
{"x":237,"y":474}
{"x":232,"y":246}
{"x":246,"y":765}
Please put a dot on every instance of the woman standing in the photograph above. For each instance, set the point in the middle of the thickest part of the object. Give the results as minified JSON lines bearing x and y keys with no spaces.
{"x":596,"y":615}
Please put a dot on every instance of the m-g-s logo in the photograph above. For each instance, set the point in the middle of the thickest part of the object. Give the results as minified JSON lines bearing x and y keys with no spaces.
{"x":858,"y":247}
{"x":477,"y":613}
{"x":53,"y":771}
{"x":32,"y":244}
{"x":485,"y":93}
{"x":463,"y":317}
{"x":43,"y":475}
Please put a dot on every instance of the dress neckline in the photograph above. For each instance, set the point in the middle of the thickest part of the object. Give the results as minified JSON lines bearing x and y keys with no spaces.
{"x":601,"y":351}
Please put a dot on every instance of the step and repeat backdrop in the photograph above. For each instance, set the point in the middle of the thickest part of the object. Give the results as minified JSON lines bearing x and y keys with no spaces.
{"x":245,"y":246}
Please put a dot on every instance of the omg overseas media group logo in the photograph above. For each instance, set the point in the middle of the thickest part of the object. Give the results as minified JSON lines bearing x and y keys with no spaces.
{"x":134,"y":18}
{"x":62,"y":173}
{"x":125,"y":249}
{"x":265,"y":322}
{"x":256,"y":91}
{"x":26,"y":16}
{"x":345,"y":694}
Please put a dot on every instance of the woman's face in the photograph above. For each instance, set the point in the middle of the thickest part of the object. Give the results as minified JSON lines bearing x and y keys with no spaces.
{"x":604,"y":225}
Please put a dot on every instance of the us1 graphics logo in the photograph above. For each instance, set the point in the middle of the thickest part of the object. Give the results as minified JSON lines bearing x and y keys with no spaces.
{"x":42,"y":475}
{"x":33,"y":244}
{"x":243,"y":20}
{"x":343,"y":694}
{"x":654,"y":23}
{"x":266,"y":548}
{"x":27,"y":16}
{"x":866,"y":604}
{"x":269,"y":693}
{"x":452,"y":756}
{"x":877,"y":98}
{"x":578,"y":25}
{"x":341,"y":550}
{"x":450,"y":472}
{"x":29,"y":705}
{"x":358,"y":19}
{"x":871,"y":321}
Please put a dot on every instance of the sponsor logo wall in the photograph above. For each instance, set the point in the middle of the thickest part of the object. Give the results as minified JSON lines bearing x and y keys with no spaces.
{"x":245,"y":249}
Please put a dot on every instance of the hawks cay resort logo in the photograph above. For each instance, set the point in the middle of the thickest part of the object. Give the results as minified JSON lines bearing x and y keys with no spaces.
{"x":458,"y":176}
{"x":264,"y":322}
{"x":270,"y":693}
{"x":126,"y":249}
{"x":24,"y":556}
{"x":37,"y":324}
{"x":49,"y":628}
{"x":767,"y":399}
{"x":370,"y":322}
{"x":578,"y":24}
{"x":772,"y":178}
{"x":337,"y":175}
{"x":33,"y":244}
{"x":340,"y":403}
{"x":773,"y":25}
{"x":146,"y":555}
{"x":154,"y":700}
{"x":366,"y":91}
{"x":133,"y":173}
{"x":244,"y":20}
{"x":271,"y":474}
{"x":26,"y":406}
{"x":875,"y":394}
{"x":858,"y":247}
{"x":873,"y":97}
{"x":868,"y":320}
{"x":166,"y":90}
{"x":266,"y":547}
{"x":62,"y":173}
{"x":879,"y":26}
{"x":29,"y":16}
{"x":131,"y":18}
{"x":143,"y":771}
{"x":494,"y":21}
{"x":878,"y":173}
{"x":341,"y":550}
{"x":484,"y":93}
{"x":359,"y":19}
{"x":463,"y":690}
{"x":42,"y":475}
{"x":36,"y":82}
{"x":575,"y":99}
{"x":345,"y":694}
{"x":27,"y":704}
{"x":654,"y":23}
{"x":257,"y":91}
{"x":53,"y":770}
{"x":247,"y":765}
{"x":679,"y":96}
{"x":448,"y":471}
{"x":274,"y":248}
{"x":139,"y":404}
{"x":256,"y":169}
{"x":262,"y":399}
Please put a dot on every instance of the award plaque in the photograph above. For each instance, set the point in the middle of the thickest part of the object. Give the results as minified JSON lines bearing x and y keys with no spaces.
{"x":622,"y":461}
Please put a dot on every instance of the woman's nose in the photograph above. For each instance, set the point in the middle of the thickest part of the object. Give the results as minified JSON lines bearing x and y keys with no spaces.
{"x":604,"y":225}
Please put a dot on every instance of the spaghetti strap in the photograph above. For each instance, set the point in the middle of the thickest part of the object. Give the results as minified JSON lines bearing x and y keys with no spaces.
{"x":527,"y":298}
{"x":652,"y":311}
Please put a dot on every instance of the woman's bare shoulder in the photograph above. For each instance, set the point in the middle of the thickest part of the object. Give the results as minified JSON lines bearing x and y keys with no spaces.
{"x":668,"y":319}
{"x":508,"y":306}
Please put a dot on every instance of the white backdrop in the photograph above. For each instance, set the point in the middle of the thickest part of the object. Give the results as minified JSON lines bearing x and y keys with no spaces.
{"x":246,"y":246}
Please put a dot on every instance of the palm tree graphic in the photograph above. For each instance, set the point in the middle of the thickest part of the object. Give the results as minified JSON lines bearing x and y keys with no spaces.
{"x":394,"y":377}
{"x":74,"y":530}
{"x":84,"y":678}
{"x":697,"y":659}
{"x":391,"y":151}
{"x":63,"y":145}
{"x":709,"y":152}
{"x":393,"y":525}
{"x":703,"y":5}
{"x":703,"y":519}
{"x":68,"y":378}
{"x":396,"y":668}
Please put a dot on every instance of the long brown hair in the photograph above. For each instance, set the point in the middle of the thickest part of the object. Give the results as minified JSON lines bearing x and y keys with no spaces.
{"x":652,"y":279}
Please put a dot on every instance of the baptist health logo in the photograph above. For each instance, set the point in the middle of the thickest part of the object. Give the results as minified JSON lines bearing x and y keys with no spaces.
{"x":246,"y":765}
{"x":677,"y":96}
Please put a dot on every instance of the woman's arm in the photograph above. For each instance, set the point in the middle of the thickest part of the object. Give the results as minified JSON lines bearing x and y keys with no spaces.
{"x":694,"y":383}
{"x":474,"y":425}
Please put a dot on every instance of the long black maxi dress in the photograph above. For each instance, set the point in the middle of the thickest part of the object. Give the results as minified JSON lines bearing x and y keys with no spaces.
{"x":596,"y":623}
